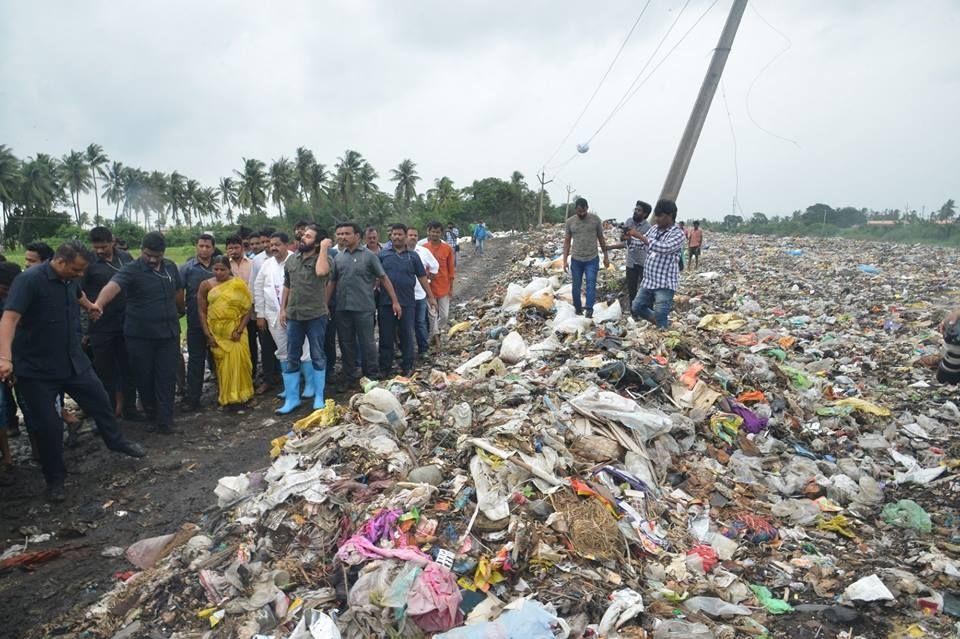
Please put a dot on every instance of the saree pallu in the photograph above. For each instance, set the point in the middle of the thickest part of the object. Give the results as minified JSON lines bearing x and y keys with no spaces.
{"x":227,"y":303}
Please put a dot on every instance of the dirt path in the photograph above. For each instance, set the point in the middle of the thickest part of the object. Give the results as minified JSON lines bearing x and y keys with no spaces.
{"x":114,"y":501}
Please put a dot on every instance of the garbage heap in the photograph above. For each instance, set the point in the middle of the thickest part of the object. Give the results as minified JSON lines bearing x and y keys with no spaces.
{"x":774,"y":465}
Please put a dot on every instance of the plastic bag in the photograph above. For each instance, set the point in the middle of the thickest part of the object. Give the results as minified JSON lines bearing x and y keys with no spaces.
{"x":380,"y":406}
{"x":607,"y":313}
{"x":545,"y":348}
{"x":513,"y":299}
{"x":715,"y":607}
{"x":513,"y":349}
{"x":146,"y":552}
{"x":434,"y":600}
{"x":676,"y":629}
{"x":625,"y":605}
{"x":531,"y":621}
{"x":868,"y":589}
{"x":315,"y":625}
{"x":231,"y":489}
{"x":542,"y":299}
{"x":773,"y":605}
{"x":907,"y":513}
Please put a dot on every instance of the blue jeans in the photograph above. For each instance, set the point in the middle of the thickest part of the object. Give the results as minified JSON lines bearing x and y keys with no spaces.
{"x":315,"y":331}
{"x":653,"y":305}
{"x":578,"y":269}
{"x":422,"y":325}
{"x":479,"y":241}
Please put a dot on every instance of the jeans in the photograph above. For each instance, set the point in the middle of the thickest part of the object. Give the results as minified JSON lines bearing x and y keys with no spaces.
{"x":422,"y":325}
{"x":653,"y":305}
{"x":578,"y":269}
{"x":479,"y":241}
{"x":198,"y":356}
{"x":355,"y":329}
{"x":46,"y":425}
{"x":154,"y":363}
{"x":315,"y":332}
{"x":634,"y":277}
{"x":389,"y":327}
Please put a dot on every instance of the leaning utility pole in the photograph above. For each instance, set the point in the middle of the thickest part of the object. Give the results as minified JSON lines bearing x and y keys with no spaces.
{"x":541,"y":178}
{"x":566,"y":213}
{"x":681,"y":161}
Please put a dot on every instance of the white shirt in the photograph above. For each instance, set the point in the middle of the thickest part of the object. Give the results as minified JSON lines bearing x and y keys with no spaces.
{"x":258,"y":261}
{"x":430,"y":265}
{"x":268,"y":289}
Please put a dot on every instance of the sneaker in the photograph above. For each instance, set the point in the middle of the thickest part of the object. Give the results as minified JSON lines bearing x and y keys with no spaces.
{"x":131,"y":449}
{"x":55,"y":493}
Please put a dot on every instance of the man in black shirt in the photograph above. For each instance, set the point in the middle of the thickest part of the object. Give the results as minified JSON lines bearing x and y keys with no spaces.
{"x":193,"y":273}
{"x":151,"y":324}
{"x":40,"y":344}
{"x":106,"y":334}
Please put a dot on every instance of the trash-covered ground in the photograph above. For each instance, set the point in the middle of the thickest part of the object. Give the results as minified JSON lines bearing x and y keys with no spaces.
{"x":780,"y":463}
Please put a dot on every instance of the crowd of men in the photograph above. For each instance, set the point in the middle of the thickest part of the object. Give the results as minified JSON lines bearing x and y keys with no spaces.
{"x":654,"y":257}
{"x":104,"y":328}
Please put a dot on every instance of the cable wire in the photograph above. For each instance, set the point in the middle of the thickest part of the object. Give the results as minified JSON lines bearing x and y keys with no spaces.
{"x":599,"y":84}
{"x":789,"y":45}
{"x":736,"y":163}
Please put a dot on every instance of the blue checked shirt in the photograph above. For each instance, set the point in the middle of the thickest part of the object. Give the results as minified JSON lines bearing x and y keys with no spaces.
{"x":662,"y":266}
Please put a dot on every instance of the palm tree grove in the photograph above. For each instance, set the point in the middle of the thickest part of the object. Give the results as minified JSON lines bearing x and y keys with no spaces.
{"x":45,"y":197}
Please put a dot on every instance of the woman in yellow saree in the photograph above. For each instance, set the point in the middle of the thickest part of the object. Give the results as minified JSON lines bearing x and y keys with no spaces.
{"x":224,"y":303}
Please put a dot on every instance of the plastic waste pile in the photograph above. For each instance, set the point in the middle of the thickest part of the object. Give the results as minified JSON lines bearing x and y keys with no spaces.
{"x":776,"y":464}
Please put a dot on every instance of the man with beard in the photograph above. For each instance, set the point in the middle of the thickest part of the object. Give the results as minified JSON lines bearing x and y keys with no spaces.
{"x":583,"y":232}
{"x":304,"y":314}
{"x":633,"y":230}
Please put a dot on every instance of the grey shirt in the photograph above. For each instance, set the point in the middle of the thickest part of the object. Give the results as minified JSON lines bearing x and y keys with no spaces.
{"x":636,"y":249}
{"x":354,"y":274}
{"x":584,"y":235}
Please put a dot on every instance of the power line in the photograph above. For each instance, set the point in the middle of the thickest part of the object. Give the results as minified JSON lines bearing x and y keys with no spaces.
{"x":736,"y":163}
{"x":629,"y":95}
{"x":600,"y":84}
{"x":789,"y":45}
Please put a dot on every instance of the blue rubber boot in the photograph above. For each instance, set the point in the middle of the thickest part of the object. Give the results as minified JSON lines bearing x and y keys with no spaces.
{"x":306,"y":368}
{"x":283,"y":369}
{"x":291,"y":392}
{"x":319,"y":381}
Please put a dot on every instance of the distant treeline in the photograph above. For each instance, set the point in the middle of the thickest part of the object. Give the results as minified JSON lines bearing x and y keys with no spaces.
{"x":940,"y":227}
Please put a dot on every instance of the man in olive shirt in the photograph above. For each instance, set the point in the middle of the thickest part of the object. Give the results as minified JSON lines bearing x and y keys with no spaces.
{"x":304,"y":312}
{"x":40,"y":344}
{"x":583,"y":232}
{"x":355,"y":271}
{"x":151,"y":324}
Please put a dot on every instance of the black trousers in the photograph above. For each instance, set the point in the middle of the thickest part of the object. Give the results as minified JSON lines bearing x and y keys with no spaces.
{"x":634,"y":277}
{"x":198,"y":356}
{"x":155,"y":362}
{"x":392,"y":330}
{"x":40,"y":395}
{"x":269,"y":365}
{"x":252,"y":342}
{"x":354,"y":327}
{"x":112,"y":364}
{"x":330,"y":347}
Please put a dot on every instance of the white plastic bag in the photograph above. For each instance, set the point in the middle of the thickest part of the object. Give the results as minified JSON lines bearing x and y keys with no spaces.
{"x":380,"y":406}
{"x":146,"y":552}
{"x":607,"y":313}
{"x":513,"y":349}
{"x":513,"y":299}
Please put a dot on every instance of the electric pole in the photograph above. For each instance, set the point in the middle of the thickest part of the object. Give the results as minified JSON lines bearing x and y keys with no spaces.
{"x":566,"y":213}
{"x":543,"y":182}
{"x":681,"y":161}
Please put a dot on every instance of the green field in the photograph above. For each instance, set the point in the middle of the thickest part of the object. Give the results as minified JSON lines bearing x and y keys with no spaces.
{"x":179,"y":254}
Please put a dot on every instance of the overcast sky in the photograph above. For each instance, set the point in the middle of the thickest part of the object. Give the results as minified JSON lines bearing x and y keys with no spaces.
{"x":869,"y":91}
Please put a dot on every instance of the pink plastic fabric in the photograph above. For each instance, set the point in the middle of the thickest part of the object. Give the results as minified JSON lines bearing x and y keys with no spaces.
{"x":358,"y":549}
{"x":434,"y":601}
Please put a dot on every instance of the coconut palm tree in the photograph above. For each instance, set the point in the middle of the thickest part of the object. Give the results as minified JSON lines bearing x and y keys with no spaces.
{"x":191,"y":195}
{"x":304,"y":162}
{"x":207,"y":202}
{"x":175,"y":195}
{"x":40,"y":186}
{"x":76,"y":177}
{"x":366,"y":183}
{"x":348,"y":173}
{"x":227,"y":195}
{"x":317,"y":184}
{"x":406,"y":177}
{"x":96,"y":159}
{"x":9,"y":180}
{"x":282,"y":182}
{"x":113,"y":186}
{"x":252,"y":193}
{"x":443,"y":193}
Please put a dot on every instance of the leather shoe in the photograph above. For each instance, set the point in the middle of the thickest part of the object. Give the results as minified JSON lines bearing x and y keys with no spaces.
{"x":131,"y":449}
{"x":55,"y":493}
{"x":133,"y":416}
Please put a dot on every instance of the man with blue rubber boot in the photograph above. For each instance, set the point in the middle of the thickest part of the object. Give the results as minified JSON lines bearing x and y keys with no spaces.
{"x":304,"y":313}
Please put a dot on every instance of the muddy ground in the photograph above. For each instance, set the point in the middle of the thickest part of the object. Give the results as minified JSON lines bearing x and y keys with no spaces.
{"x":112,"y":501}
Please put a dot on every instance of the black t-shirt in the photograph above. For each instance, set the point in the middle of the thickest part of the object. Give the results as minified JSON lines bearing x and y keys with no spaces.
{"x":95,"y":278}
{"x":47,"y":342}
{"x":151,"y":311}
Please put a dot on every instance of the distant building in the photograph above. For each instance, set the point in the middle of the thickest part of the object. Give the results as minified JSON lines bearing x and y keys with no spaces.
{"x":883,"y":223}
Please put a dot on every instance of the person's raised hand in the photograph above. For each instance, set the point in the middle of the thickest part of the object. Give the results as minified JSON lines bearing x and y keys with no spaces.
{"x":326,"y":243}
